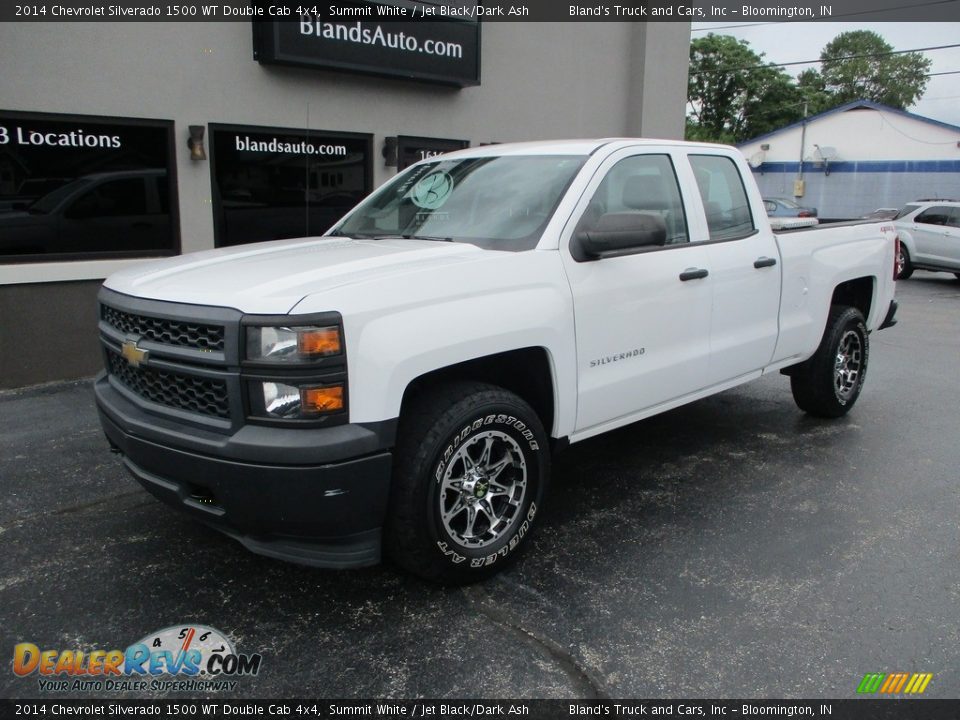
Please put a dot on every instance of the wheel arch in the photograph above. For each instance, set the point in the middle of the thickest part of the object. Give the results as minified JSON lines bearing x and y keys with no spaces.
{"x":858,"y":293}
{"x":527,"y":372}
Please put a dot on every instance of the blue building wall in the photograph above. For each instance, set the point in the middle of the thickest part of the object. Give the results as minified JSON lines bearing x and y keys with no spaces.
{"x":852,"y":189}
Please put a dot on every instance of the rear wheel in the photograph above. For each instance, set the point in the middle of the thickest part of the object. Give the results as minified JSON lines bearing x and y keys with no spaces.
{"x":470,"y":470}
{"x":829,"y":383}
{"x":904,"y":266}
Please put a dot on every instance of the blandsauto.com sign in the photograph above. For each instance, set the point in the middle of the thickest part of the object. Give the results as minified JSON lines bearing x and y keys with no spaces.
{"x":369,"y":41}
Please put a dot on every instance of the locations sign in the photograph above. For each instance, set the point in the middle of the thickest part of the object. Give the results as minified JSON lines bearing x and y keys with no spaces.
{"x":376,"y":39}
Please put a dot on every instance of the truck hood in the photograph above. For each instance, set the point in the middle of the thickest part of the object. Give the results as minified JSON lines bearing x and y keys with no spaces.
{"x":272,"y":277}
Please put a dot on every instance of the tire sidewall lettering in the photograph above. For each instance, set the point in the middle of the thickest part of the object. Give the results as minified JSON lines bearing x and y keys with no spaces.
{"x":518,"y":536}
{"x":521,"y":431}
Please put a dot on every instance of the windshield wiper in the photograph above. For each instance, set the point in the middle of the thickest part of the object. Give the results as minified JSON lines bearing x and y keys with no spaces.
{"x":387,"y":236}
{"x":427,"y":237}
{"x":358,"y":236}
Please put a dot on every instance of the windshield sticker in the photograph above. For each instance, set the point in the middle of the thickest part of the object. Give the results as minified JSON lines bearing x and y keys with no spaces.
{"x":432,"y":192}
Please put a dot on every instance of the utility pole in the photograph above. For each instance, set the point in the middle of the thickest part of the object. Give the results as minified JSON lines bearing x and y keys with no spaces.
{"x":798,"y":186}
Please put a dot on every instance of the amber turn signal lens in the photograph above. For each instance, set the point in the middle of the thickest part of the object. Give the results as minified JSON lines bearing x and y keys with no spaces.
{"x":315,"y":400}
{"x":319,"y":341}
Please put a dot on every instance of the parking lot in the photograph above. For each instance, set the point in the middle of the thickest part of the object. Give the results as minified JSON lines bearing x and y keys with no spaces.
{"x":730,"y":548}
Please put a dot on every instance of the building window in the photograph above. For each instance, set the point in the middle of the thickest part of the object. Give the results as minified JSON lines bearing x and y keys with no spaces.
{"x":274,"y":183}
{"x":78,"y":187}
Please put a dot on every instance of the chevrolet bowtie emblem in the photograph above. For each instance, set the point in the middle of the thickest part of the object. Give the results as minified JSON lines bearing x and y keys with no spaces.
{"x":132,"y":354}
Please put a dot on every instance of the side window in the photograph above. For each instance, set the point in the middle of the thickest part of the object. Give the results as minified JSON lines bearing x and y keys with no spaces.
{"x":640,"y":184}
{"x":111,"y":199}
{"x":934,"y":216}
{"x":724,"y":196}
{"x":955,"y":217}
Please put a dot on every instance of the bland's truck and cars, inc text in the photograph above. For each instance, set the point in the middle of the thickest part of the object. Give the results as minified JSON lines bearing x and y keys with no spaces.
{"x":402,"y":382}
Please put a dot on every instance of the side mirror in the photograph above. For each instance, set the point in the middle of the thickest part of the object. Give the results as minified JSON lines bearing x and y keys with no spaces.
{"x":617,"y":232}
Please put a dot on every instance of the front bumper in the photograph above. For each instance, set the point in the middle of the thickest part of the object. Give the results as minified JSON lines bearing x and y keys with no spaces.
{"x":312,"y":496}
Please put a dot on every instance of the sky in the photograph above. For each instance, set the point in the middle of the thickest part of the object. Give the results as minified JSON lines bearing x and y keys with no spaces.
{"x":794,"y":41}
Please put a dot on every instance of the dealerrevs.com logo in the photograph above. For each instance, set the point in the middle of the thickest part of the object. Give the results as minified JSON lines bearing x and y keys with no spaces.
{"x":180,"y":658}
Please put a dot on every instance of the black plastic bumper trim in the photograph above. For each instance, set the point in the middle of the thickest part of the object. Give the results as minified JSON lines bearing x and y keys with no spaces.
{"x":360,"y":550}
{"x":323,"y":516}
{"x":890,"y":320}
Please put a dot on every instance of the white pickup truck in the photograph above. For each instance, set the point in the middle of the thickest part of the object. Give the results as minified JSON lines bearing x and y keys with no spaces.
{"x":402,"y":382}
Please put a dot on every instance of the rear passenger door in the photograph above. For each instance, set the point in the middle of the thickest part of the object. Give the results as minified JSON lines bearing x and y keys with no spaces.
{"x":930,"y":231}
{"x":743,"y":262}
{"x":643,"y":318}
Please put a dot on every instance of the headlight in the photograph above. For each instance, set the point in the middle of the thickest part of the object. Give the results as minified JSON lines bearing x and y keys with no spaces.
{"x":293,"y":402}
{"x":292,"y":344}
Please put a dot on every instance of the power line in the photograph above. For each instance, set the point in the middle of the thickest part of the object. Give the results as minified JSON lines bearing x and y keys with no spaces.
{"x":947,"y":72}
{"x":836,"y":15}
{"x":731,"y":27}
{"x":818,"y":61}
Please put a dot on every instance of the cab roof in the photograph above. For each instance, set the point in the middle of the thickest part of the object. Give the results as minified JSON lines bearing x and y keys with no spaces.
{"x":569,"y":147}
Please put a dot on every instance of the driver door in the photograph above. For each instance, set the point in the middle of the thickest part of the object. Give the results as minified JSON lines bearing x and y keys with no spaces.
{"x":642,"y":319}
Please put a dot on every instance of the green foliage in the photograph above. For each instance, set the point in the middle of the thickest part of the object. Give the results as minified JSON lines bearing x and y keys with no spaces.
{"x":857,"y":66}
{"x":733,"y":96}
{"x":729,"y":103}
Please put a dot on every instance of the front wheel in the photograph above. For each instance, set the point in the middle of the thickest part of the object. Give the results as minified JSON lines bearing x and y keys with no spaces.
{"x":829,"y":383}
{"x":470,"y":471}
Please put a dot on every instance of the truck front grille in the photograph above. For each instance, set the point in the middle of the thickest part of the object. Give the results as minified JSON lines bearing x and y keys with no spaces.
{"x":206,"y":396}
{"x":167,"y":332}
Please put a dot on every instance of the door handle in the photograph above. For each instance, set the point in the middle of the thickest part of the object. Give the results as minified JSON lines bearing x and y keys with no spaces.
{"x":693,"y":274}
{"x":764,"y":262}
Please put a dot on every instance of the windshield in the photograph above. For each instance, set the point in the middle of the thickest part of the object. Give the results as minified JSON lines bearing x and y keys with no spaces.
{"x":49,"y":202}
{"x":498,"y":203}
{"x":906,"y":210}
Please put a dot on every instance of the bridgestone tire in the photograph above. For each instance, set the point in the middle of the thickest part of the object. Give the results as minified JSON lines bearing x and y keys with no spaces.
{"x":907,"y":269}
{"x":829,"y":383}
{"x":441,"y":436}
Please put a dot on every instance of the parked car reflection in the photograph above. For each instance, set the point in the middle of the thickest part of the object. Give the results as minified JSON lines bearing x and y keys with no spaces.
{"x":102,"y":212}
{"x":31,"y":190}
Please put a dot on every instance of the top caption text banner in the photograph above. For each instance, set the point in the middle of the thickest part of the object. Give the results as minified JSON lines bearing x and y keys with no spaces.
{"x":491,"y":11}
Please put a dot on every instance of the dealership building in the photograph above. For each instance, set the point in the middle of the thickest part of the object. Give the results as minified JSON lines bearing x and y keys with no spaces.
{"x":856,"y":158}
{"x":125,"y":141}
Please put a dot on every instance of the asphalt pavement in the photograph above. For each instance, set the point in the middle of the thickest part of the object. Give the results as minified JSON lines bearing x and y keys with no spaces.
{"x":731,"y":548}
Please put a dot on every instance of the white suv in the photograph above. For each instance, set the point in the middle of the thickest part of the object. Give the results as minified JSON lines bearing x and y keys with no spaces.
{"x":929,"y":237}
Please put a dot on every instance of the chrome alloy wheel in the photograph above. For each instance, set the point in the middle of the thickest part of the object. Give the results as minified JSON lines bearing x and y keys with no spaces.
{"x":482,"y":489}
{"x":848,"y":365}
{"x":901,"y":262}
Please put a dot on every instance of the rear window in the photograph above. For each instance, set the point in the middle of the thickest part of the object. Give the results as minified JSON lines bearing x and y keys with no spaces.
{"x":724,"y":197}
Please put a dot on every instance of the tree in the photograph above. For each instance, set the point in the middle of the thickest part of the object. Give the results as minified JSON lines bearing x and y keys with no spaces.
{"x":857,"y":65}
{"x":732,"y":95}
{"x":813,"y":89}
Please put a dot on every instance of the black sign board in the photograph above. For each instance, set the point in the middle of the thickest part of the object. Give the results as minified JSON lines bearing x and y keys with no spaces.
{"x":442,"y":51}
{"x":86,"y":187}
{"x":273,"y":183}
{"x":414,"y":149}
